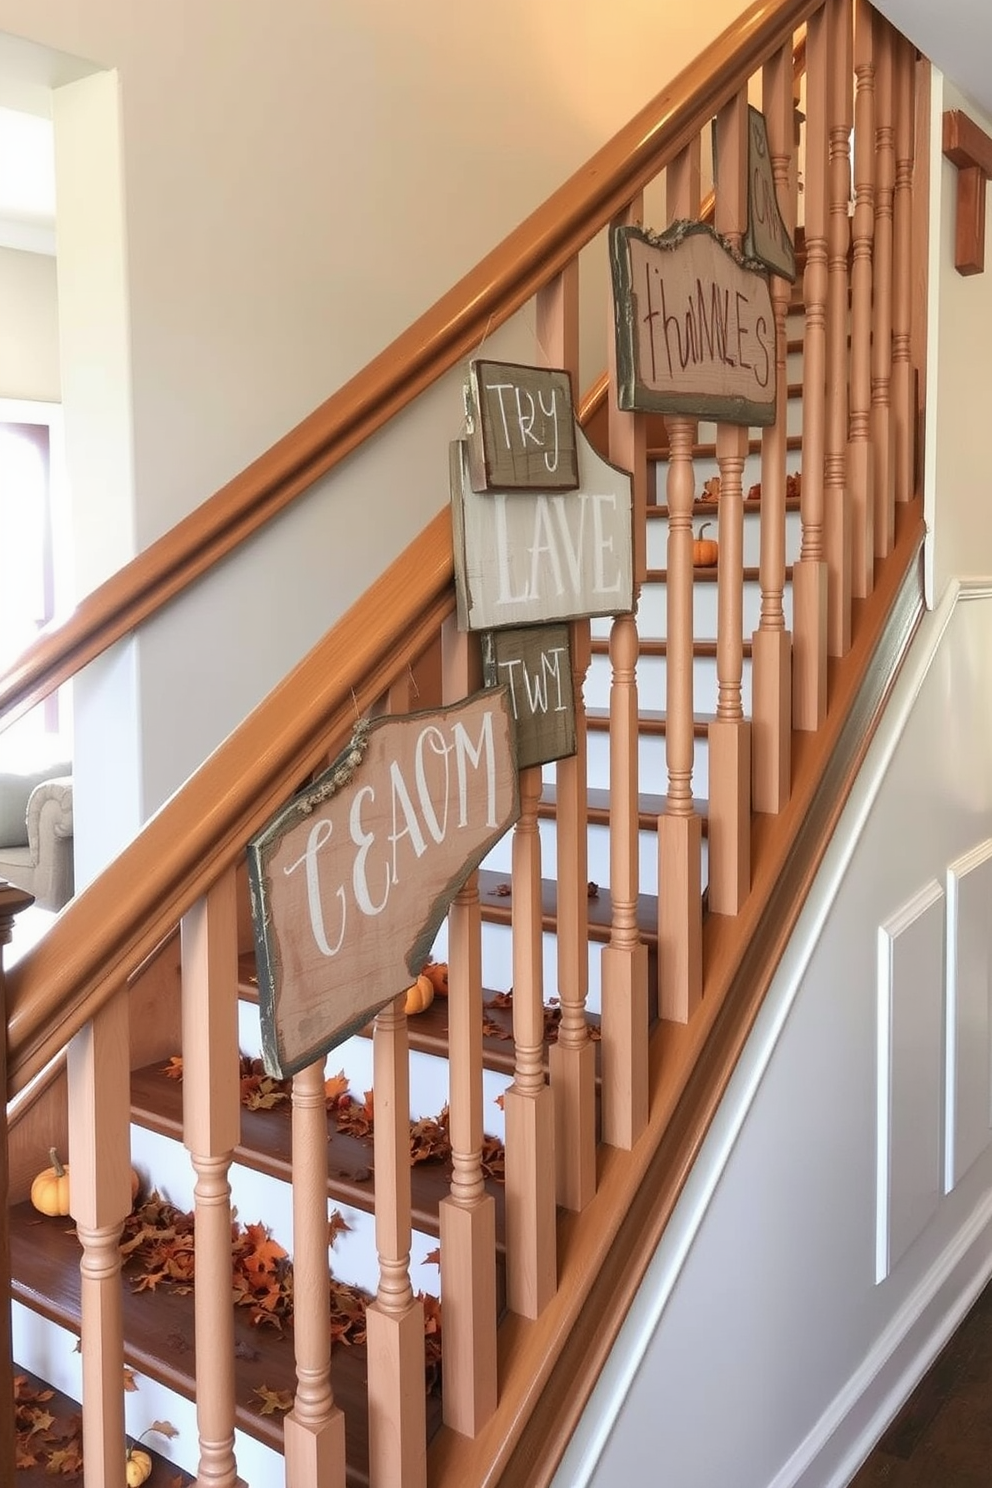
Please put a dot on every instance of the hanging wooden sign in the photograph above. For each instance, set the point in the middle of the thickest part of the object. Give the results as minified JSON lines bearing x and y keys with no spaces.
{"x":350,"y":881}
{"x":694,"y":326}
{"x":767,"y":238}
{"x":535,"y":663}
{"x":522,"y":558}
{"x":521,"y":428}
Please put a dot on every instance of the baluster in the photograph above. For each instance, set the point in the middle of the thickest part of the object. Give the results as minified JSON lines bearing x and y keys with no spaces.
{"x":859,"y":450}
{"x":881,"y":346}
{"x":528,"y":1105}
{"x":395,"y":1320}
{"x":314,"y":1429}
{"x":837,"y":515}
{"x":624,"y":962}
{"x":211,"y":1128}
{"x":903,"y":419}
{"x":12,"y":902}
{"x":680,"y":904}
{"x":468,"y":1213}
{"x":100,"y":1200}
{"x":809,"y":574}
{"x":771,"y":645}
{"x":730,"y":732}
{"x":572,"y":1058}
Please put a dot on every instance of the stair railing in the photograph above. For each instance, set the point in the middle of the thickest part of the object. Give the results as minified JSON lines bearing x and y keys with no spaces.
{"x":182,"y":869}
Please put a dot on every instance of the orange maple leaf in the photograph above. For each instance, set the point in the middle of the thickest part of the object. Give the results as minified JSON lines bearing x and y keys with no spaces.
{"x":273,"y":1400}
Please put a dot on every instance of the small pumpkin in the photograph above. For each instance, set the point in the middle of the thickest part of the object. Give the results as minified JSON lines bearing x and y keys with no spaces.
{"x":704,"y":549}
{"x":50,"y":1189}
{"x":438,"y":973}
{"x":420,"y":995}
{"x":139,"y":1466}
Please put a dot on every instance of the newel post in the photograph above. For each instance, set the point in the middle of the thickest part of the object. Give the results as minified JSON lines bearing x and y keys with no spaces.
{"x":12,"y":901}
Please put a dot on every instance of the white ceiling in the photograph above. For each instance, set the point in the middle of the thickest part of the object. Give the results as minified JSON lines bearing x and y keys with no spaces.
{"x":956,"y":35}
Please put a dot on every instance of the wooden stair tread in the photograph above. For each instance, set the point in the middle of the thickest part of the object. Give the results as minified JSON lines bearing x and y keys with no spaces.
{"x":709,"y":575}
{"x":429,"y":1034}
{"x":650,"y":806}
{"x":496,"y":907}
{"x":708,"y":451}
{"x":601,"y":647}
{"x":45,"y":1256}
{"x":705,"y":506}
{"x":164,"y":1474}
{"x":650,"y":721}
{"x":266,"y":1145}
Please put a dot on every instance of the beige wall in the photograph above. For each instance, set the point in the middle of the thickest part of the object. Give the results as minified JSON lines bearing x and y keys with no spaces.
{"x":29,"y":342}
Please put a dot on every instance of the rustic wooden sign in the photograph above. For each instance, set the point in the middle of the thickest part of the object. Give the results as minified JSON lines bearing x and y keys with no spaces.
{"x":523,"y":558}
{"x":767,"y":238}
{"x":521,"y":428}
{"x":694,"y":326}
{"x":350,"y":881}
{"x":535,"y":663}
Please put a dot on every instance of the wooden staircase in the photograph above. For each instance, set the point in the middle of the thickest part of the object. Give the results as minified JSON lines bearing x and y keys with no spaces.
{"x":643,"y":1090}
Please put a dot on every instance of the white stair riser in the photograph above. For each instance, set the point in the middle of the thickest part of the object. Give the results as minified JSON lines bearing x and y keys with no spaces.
{"x":652,"y":617}
{"x":51,"y":1352}
{"x":598,"y":866}
{"x":652,"y":766}
{"x":705,"y":467}
{"x":259,"y":1198}
{"x":651,"y":683}
{"x":657,"y":537}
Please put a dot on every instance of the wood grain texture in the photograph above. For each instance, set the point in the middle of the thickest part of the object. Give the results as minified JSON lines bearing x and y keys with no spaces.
{"x":967,"y":146}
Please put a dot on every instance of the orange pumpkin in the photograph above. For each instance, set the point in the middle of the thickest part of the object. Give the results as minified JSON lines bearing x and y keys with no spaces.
{"x":420,"y":995}
{"x":704,"y":549}
{"x":438,"y":973}
{"x":50,"y":1189}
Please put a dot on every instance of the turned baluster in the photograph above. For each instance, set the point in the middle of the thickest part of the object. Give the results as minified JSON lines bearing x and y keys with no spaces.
{"x":680,"y":905}
{"x":771,"y":643}
{"x":12,"y":902}
{"x":809,"y":575}
{"x":881,"y":347}
{"x":860,"y":467}
{"x":729,"y":735}
{"x":100,"y":1200}
{"x":837,"y":516}
{"x":572,"y":1057}
{"x":624,"y":962}
{"x":211,"y":1129}
{"x":468,"y":1213}
{"x":528,"y":1105}
{"x":395,"y":1319}
{"x":903,"y":419}
{"x":314,"y":1429}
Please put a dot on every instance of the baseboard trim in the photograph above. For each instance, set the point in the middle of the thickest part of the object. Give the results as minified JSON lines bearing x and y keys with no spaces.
{"x":835,"y":1448}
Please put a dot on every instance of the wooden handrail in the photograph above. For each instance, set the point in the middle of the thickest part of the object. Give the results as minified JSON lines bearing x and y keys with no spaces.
{"x":102,"y":934}
{"x":967,"y":146}
{"x":480,"y":302}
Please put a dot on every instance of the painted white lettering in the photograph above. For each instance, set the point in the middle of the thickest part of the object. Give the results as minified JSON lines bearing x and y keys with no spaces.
{"x":464,"y":752}
{"x":433,"y":737}
{"x":525,"y":421}
{"x":550,"y":461}
{"x":509,"y":666}
{"x":603,"y":545}
{"x":506,"y":595}
{"x":542,"y":522}
{"x":551,"y":666}
{"x":401,"y":796}
{"x":364,"y":841}
{"x":562,"y":506}
{"x":319,"y":834}
{"x":501,"y":388}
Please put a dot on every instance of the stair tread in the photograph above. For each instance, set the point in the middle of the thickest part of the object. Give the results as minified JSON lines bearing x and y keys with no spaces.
{"x":650,"y":721}
{"x":45,"y":1256}
{"x":497,"y":902}
{"x":709,"y":575}
{"x":650,"y":806}
{"x":708,"y":451}
{"x":646,"y":647}
{"x":66,"y":1411}
{"x":266,"y":1145}
{"x":704,"y":506}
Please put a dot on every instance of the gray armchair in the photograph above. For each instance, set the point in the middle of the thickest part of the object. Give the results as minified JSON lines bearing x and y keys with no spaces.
{"x":36,"y":835}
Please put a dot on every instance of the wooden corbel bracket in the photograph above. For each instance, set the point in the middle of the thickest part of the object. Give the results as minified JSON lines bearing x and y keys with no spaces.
{"x":970,"y":149}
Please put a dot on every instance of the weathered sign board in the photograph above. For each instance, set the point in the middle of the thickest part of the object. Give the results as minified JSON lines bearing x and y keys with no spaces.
{"x":521,"y":428}
{"x":522,"y":558}
{"x":535,"y":663}
{"x":694,"y":326}
{"x":350,"y":881}
{"x":767,"y":238}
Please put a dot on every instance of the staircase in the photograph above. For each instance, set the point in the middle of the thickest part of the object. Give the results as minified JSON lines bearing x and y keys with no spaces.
{"x":646,"y":1034}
